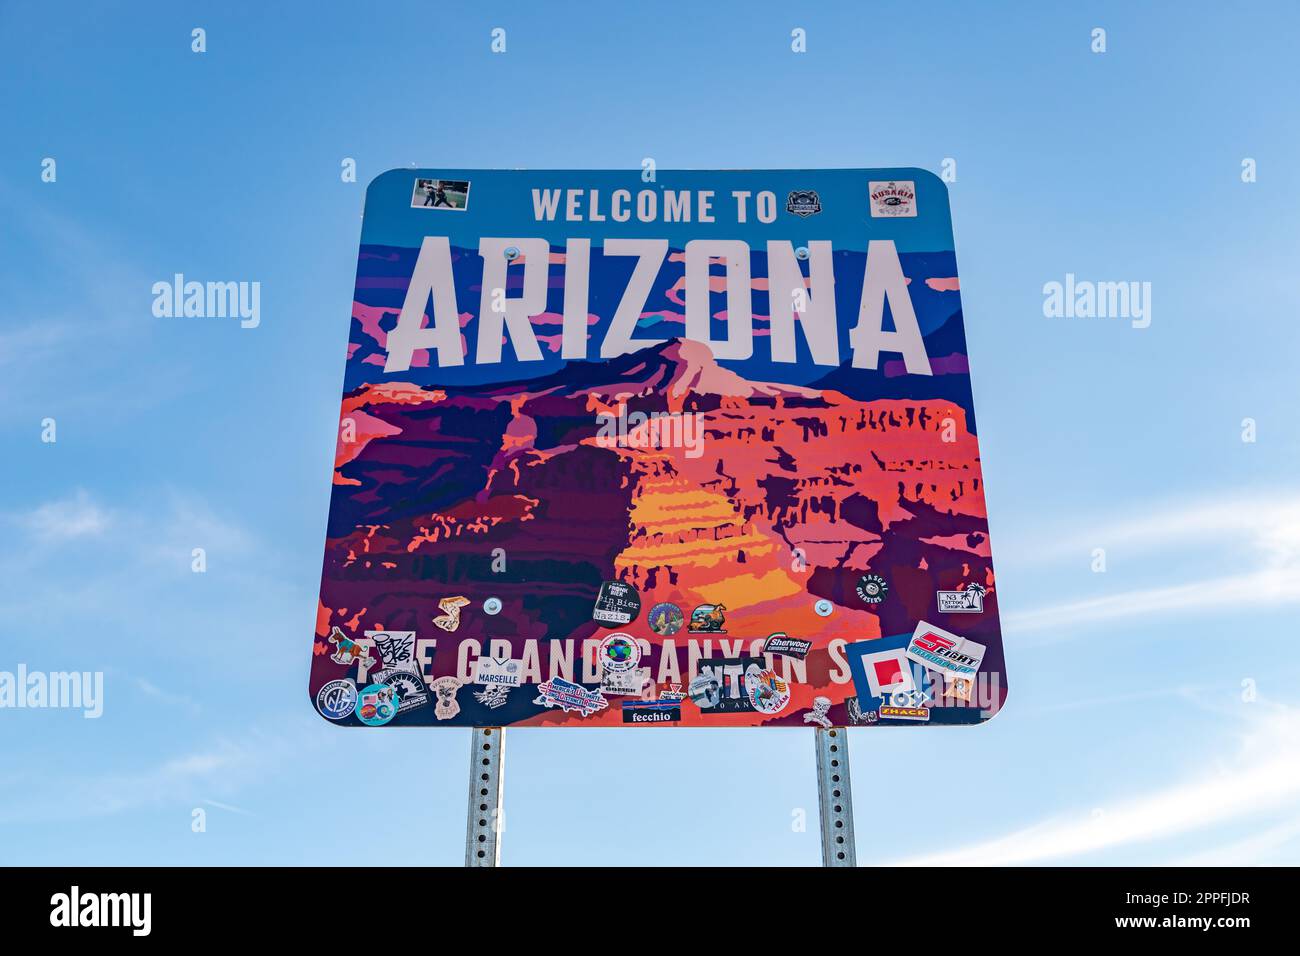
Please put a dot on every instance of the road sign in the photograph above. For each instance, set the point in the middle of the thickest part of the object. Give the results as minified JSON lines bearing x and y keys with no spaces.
{"x":694,"y":449}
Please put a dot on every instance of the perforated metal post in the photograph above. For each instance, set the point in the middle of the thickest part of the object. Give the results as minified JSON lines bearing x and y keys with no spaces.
{"x":486,"y":816}
{"x":835,"y":798}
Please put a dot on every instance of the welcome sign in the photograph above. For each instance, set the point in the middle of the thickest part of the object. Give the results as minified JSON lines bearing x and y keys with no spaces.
{"x":692,"y":451}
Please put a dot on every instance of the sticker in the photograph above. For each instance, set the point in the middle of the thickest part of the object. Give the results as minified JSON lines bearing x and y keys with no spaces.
{"x":492,"y":606}
{"x":492,"y":696}
{"x":349,"y":650}
{"x":732,"y":675}
{"x":674,"y":693}
{"x":910,"y":698}
{"x":904,"y":713}
{"x":445,"y":705}
{"x":447,"y":194}
{"x":705,"y":691}
{"x":665,"y":619}
{"x":968,"y":601}
{"x":768,"y":693}
{"x":652,"y":711}
{"x":803,"y":203}
{"x":406,"y":680}
{"x":708,"y":619}
{"x":625,"y":684}
{"x":570,"y":697}
{"x":883,"y":681}
{"x":617,"y":603}
{"x":780,"y":643}
{"x":501,"y":671}
{"x":945,"y":652}
{"x":857,"y":715}
{"x":872,"y":588}
{"x":376,"y":705}
{"x":959,"y":688}
{"x":820,"y":712}
{"x":337,"y":699}
{"x":395,"y":647}
{"x":893,"y":200}
{"x":824,"y":608}
{"x":886,"y":671}
{"x":449,"y":619}
{"x":618,"y":653}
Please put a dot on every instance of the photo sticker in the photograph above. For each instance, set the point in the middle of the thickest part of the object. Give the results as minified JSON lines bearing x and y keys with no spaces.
{"x":440,"y":194}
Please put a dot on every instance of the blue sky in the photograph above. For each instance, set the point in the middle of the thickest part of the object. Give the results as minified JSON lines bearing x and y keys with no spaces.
{"x":1129,"y":736}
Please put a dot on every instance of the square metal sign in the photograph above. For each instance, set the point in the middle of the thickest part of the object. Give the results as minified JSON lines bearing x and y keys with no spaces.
{"x":694,"y":448}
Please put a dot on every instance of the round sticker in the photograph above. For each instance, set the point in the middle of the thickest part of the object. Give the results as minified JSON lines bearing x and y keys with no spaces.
{"x":666,"y":619}
{"x":337,"y":699}
{"x":872,"y":588}
{"x":377,"y":705}
{"x":617,"y":604}
{"x":824,"y":608}
{"x":492,"y":606}
{"x":705,"y":691}
{"x":768,"y":693}
{"x":619,"y":653}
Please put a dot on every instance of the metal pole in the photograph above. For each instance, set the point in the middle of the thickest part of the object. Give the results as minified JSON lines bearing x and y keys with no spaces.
{"x":486,"y":818}
{"x":835,"y":798}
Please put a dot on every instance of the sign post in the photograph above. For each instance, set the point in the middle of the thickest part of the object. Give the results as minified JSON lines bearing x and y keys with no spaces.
{"x":835,"y":797}
{"x":485,"y":818}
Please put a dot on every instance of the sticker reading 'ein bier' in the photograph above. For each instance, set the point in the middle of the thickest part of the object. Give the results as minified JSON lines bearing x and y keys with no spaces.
{"x":599,"y":437}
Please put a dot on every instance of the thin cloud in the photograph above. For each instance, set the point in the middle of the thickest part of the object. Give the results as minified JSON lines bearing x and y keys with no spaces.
{"x":1263,"y":530}
{"x":1265,"y":776}
{"x":150,"y":689}
{"x":65,"y":357}
{"x":1187,"y":693}
{"x":228,"y":807}
{"x":1265,"y":588}
{"x":1251,"y":851}
{"x":224,"y":766}
{"x":166,"y":529}
{"x":1267,"y":520}
{"x":75,"y":517}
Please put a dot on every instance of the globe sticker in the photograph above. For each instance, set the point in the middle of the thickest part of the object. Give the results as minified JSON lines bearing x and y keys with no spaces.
{"x":619,"y":653}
